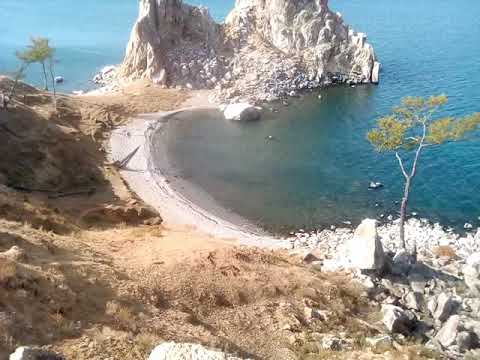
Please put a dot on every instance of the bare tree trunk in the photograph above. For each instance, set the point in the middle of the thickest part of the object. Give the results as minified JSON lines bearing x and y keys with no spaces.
{"x":403,"y":212}
{"x":52,"y":75}
{"x":45,"y":76}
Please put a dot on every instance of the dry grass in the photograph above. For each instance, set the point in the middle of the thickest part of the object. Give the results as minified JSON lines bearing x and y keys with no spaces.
{"x":445,"y":251}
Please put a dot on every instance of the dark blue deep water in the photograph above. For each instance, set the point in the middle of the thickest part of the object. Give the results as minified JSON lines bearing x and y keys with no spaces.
{"x":317,"y":171}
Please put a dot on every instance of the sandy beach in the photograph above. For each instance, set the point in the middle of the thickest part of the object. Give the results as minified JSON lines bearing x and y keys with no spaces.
{"x":139,"y":146}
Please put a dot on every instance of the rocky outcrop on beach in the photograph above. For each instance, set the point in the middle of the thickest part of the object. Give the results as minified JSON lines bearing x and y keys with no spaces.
{"x":264,"y":51}
{"x":434,"y":300}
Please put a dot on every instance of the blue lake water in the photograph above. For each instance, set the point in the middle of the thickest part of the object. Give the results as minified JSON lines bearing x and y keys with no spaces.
{"x":317,"y":171}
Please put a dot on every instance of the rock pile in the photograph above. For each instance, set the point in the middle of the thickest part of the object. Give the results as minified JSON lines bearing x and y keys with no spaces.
{"x":434,"y":300}
{"x":264,"y":51}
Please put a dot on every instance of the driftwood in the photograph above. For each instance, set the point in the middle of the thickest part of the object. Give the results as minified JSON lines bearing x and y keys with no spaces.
{"x":121,"y":164}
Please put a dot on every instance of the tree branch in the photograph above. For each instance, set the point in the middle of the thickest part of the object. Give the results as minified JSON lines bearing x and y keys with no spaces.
{"x":419,"y":151}
{"x":400,"y":161}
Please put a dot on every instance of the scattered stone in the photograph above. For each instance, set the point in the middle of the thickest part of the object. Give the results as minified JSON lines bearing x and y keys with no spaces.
{"x":468,"y":226}
{"x":446,"y":306}
{"x":381,"y":341}
{"x":449,"y":331}
{"x":398,"y":320}
{"x":333,"y":343}
{"x":414,"y":301}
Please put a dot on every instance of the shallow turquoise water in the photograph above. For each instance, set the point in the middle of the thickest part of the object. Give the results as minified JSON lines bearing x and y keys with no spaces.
{"x":317,"y":171}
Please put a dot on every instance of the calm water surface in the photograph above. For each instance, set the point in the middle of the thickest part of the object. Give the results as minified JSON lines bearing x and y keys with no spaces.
{"x":317,"y":171}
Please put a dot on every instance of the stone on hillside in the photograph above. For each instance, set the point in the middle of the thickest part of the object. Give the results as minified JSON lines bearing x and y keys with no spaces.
{"x":471,"y":271}
{"x":446,"y":306}
{"x":381,"y":341}
{"x":29,"y":353}
{"x":174,"y":351}
{"x":398,"y":320}
{"x":14,"y":253}
{"x":448,"y":333}
{"x":414,"y":301}
{"x":365,"y":251}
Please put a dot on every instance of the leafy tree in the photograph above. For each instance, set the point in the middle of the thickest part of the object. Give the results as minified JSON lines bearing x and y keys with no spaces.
{"x":39,"y":51}
{"x":413,"y":127}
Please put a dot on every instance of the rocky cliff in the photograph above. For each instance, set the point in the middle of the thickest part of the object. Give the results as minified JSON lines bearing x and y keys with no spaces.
{"x":265,"y":50}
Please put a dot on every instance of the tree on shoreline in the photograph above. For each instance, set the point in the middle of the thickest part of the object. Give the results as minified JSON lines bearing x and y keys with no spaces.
{"x":409,"y":130}
{"x":39,"y":51}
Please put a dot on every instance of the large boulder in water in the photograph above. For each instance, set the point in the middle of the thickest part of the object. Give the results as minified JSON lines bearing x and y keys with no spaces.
{"x":365,"y":250}
{"x":174,"y":351}
{"x":242,"y":112}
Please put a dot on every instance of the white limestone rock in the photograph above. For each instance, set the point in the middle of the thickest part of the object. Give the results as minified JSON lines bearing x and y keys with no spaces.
{"x":471,"y":271}
{"x":448,"y":333}
{"x":29,"y":353}
{"x":174,"y":351}
{"x":365,"y":250}
{"x":270,"y":49}
{"x":242,"y":112}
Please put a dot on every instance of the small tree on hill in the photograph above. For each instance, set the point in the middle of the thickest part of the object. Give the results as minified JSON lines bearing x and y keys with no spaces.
{"x":409,"y":130}
{"x":39,"y":51}
{"x":17,"y":76}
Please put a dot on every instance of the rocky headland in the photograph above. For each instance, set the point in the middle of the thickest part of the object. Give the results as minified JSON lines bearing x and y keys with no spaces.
{"x":264,"y":51}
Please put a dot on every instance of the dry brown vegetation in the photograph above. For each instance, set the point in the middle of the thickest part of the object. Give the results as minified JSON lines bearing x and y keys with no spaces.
{"x":100,"y":278}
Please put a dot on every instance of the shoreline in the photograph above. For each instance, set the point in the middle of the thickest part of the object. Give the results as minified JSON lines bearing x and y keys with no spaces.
{"x":147,"y":174}
{"x":152,"y":177}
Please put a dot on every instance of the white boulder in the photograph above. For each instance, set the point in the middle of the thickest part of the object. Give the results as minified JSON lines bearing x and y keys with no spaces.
{"x":29,"y":353}
{"x":174,"y":351}
{"x":471,"y":271}
{"x":365,"y":250}
{"x":242,"y":112}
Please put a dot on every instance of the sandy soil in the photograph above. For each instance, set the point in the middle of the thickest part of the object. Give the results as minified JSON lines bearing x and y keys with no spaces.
{"x":96,"y":275}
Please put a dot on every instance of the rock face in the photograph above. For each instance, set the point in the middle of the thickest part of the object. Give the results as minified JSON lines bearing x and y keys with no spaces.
{"x":265,"y":50}
{"x":173,"y":351}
